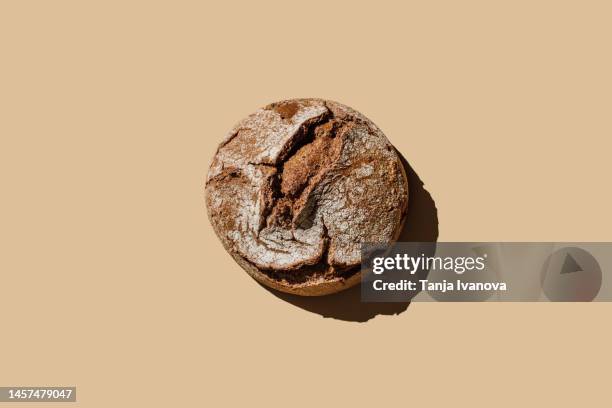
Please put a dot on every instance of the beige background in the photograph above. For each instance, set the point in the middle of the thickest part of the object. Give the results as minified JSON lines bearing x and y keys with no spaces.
{"x":113,"y":281}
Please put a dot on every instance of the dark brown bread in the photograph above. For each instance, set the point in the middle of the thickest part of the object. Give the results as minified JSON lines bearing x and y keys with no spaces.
{"x":296,"y":187}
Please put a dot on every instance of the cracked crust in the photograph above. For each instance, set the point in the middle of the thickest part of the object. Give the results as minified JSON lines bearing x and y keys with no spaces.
{"x":296,"y":188}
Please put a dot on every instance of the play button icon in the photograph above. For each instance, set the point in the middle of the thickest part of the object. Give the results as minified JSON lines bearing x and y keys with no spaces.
{"x":571,"y":274}
{"x":570,"y":265}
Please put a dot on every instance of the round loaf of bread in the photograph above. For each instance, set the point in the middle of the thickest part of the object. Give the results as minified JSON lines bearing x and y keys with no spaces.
{"x":295,"y":189}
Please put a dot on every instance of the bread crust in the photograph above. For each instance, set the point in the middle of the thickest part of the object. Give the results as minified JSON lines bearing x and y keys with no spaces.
{"x":295,"y":189}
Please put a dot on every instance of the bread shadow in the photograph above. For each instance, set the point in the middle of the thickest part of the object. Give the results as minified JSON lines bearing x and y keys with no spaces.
{"x":421,"y":226}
